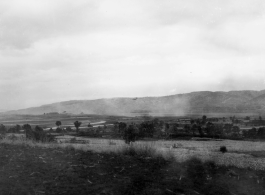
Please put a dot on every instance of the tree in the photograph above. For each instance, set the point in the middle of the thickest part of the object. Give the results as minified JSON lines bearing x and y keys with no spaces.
{"x":105,"y":128}
{"x":38,"y":133}
{"x":14,"y":129}
{"x":200,"y":131}
{"x":77,"y":125}
{"x":130,"y":134}
{"x":18,"y":128}
{"x":59,"y":130}
{"x":186,"y":128}
{"x":218,"y":130}
{"x":252,"y":133}
{"x":156,"y":122}
{"x":260,"y":118}
{"x":194,"y":128}
{"x":2,"y":129}
{"x":204,"y":119}
{"x":173,"y":129}
{"x":210,"y":129}
{"x":261,"y":132}
{"x":147,"y":129}
{"x":38,"y":129}
{"x":58,"y":123}
{"x":167,"y":129}
{"x":227,"y":129}
{"x":233,"y":118}
{"x":122,"y":127}
{"x":235,"y":130}
{"x":28,"y":130}
{"x":68,"y":129}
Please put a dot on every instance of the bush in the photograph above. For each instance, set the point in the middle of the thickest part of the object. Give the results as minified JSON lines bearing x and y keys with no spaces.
{"x":111,"y":142}
{"x":69,"y":129}
{"x":42,"y":137}
{"x":70,"y":148}
{"x":59,"y":130}
{"x":38,"y":135}
{"x":223,"y":149}
{"x":139,"y":150}
{"x":12,"y":137}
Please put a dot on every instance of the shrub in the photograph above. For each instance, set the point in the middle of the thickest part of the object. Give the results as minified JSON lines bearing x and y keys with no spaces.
{"x":143,"y":150}
{"x":12,"y":137}
{"x":69,"y":129}
{"x":223,"y":149}
{"x":59,"y":130}
{"x":70,"y":147}
{"x":111,"y":142}
{"x":73,"y":140}
{"x":131,"y":151}
{"x":37,"y":134}
{"x":2,"y":129}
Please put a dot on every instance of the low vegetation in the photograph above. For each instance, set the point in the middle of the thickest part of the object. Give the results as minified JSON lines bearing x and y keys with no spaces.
{"x":223,"y":149}
{"x":127,"y":163}
{"x":34,"y":167}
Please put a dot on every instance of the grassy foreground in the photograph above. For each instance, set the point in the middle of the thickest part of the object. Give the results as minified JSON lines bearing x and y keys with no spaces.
{"x":35,"y":168}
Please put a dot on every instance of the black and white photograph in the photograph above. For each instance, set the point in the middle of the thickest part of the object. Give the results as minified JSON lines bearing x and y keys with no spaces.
{"x":132,"y":97}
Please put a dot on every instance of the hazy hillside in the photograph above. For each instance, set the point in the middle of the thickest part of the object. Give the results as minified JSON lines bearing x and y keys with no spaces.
{"x":3,"y":110}
{"x":195,"y":102}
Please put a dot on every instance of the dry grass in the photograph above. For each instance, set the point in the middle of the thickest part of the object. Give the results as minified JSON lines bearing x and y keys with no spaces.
{"x":184,"y":150}
{"x":97,"y":145}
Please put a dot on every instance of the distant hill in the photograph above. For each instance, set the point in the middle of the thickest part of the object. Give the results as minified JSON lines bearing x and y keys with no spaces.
{"x":180,"y":104}
{"x":3,"y":110}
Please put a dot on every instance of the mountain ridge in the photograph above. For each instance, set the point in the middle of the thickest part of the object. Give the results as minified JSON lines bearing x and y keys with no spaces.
{"x":244,"y":101}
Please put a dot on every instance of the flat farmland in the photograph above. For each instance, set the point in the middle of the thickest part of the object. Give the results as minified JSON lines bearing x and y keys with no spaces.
{"x":47,"y":121}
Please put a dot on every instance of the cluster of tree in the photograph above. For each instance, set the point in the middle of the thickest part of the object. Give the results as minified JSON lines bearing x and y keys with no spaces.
{"x":2,"y":129}
{"x":59,"y":129}
{"x":254,"y":133}
{"x":256,"y":122}
{"x":204,"y":128}
{"x":134,"y":131}
{"x":13,"y":129}
{"x":37,"y":134}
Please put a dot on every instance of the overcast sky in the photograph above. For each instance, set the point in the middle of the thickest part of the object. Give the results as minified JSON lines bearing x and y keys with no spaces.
{"x":57,"y":50}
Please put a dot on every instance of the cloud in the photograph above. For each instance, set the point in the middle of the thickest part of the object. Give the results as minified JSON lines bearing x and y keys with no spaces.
{"x":61,"y":50}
